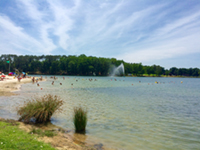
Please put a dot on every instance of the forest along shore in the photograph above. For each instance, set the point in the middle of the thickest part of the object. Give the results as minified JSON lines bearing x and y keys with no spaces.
{"x":10,"y":84}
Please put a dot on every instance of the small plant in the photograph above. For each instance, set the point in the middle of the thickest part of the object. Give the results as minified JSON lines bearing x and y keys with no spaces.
{"x":36,"y":131}
{"x":49,"y":133}
{"x":40,"y":109}
{"x":42,"y":133}
{"x":80,"y":119}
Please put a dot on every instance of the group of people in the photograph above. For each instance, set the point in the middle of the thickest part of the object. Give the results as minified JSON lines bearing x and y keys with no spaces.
{"x":36,"y":80}
{"x":20,"y":76}
{"x":2,"y":77}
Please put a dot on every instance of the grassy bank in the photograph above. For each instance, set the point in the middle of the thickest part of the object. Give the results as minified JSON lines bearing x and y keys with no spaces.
{"x":11,"y":137}
{"x":15,"y":135}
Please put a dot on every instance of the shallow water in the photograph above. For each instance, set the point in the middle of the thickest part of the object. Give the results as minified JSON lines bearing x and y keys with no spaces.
{"x":125,"y":112}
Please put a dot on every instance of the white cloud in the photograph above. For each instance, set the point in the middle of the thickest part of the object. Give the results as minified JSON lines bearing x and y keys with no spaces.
{"x":164,"y":50}
{"x":17,"y":39}
{"x":129,"y":30}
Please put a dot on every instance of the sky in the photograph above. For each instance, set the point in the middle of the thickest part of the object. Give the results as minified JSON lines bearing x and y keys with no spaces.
{"x":161,"y":32}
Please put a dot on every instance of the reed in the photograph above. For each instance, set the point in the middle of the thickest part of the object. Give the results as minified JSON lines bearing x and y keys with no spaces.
{"x":40,"y":109}
{"x":80,"y":119}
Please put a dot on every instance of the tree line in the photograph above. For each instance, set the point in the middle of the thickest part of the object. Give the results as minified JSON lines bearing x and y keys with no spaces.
{"x":84,"y":65}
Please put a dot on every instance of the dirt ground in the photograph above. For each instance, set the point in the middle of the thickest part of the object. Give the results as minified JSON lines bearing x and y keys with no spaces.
{"x":61,"y":141}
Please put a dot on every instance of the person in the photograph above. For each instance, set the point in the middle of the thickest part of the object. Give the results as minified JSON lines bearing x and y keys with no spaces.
{"x":60,"y":83}
{"x":52,"y":83}
{"x":33,"y":79}
{"x":19,"y":78}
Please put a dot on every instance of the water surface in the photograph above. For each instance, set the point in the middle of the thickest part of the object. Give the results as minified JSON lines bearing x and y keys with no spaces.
{"x":125,"y":112}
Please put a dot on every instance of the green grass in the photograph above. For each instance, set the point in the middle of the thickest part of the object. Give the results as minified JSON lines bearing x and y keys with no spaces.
{"x":80,"y":119}
{"x":13,"y":138}
{"x":42,"y":133}
{"x":40,"y":109}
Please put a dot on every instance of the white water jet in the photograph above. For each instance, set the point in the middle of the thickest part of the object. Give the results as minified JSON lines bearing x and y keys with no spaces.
{"x":118,"y":71}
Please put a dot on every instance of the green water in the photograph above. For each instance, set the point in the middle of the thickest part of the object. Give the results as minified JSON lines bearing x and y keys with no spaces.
{"x":125,"y":112}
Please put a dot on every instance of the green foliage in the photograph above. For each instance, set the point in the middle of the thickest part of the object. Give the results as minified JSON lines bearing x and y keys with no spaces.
{"x":84,"y":65}
{"x":12,"y":138}
{"x":40,"y":108}
{"x":42,"y":133}
{"x":80,"y":119}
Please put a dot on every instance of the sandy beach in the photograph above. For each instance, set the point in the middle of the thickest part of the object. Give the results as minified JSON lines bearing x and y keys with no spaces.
{"x":10,"y":84}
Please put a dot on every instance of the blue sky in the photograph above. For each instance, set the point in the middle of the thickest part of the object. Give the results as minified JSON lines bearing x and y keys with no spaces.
{"x":161,"y":32}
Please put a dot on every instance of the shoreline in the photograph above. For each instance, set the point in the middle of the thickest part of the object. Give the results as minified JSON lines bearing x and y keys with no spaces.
{"x":62,"y":140}
{"x":65,"y":139}
{"x":11,"y":84}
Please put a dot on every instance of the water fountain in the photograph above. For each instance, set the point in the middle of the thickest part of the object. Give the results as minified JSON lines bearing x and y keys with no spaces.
{"x":118,"y":71}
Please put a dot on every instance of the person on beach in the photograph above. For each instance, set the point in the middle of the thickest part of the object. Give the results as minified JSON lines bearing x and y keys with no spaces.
{"x":19,"y":78}
{"x":52,"y":83}
{"x":33,"y":79}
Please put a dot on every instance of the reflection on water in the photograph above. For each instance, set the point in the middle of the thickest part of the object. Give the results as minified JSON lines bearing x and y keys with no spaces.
{"x":79,"y":138}
{"x":125,"y":112}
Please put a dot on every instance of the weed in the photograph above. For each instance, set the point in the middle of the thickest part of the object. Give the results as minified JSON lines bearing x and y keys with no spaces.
{"x":40,"y":109}
{"x":42,"y":133}
{"x":80,"y":119}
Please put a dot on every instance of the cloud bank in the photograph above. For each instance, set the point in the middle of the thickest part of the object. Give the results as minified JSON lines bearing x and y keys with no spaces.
{"x":135,"y":31}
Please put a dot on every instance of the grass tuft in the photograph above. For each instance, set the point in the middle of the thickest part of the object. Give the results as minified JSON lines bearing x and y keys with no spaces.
{"x":42,"y":133}
{"x":40,"y":109}
{"x":80,"y":119}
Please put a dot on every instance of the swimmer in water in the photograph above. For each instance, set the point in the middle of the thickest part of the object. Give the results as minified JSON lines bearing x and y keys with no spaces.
{"x":60,"y":83}
{"x":52,"y":83}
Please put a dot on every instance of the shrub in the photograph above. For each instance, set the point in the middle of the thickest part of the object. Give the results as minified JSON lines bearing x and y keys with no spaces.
{"x":40,"y":109}
{"x":80,"y":119}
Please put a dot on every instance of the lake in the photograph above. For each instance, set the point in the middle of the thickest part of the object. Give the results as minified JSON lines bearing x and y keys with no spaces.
{"x":124,"y":112}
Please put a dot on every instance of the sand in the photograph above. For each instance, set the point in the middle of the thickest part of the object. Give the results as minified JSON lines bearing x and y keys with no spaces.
{"x":10,"y":84}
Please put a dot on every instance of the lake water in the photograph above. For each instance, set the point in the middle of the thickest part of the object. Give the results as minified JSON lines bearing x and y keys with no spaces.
{"x":125,"y":112}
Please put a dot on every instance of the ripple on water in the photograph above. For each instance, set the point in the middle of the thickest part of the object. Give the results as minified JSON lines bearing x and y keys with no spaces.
{"x":125,"y":116}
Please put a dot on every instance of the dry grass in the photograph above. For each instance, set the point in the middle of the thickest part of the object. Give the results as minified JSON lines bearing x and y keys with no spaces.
{"x":40,"y":109}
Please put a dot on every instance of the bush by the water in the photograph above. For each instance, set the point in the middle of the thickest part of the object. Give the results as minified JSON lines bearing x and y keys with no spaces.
{"x":40,"y":109}
{"x":80,"y":119}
